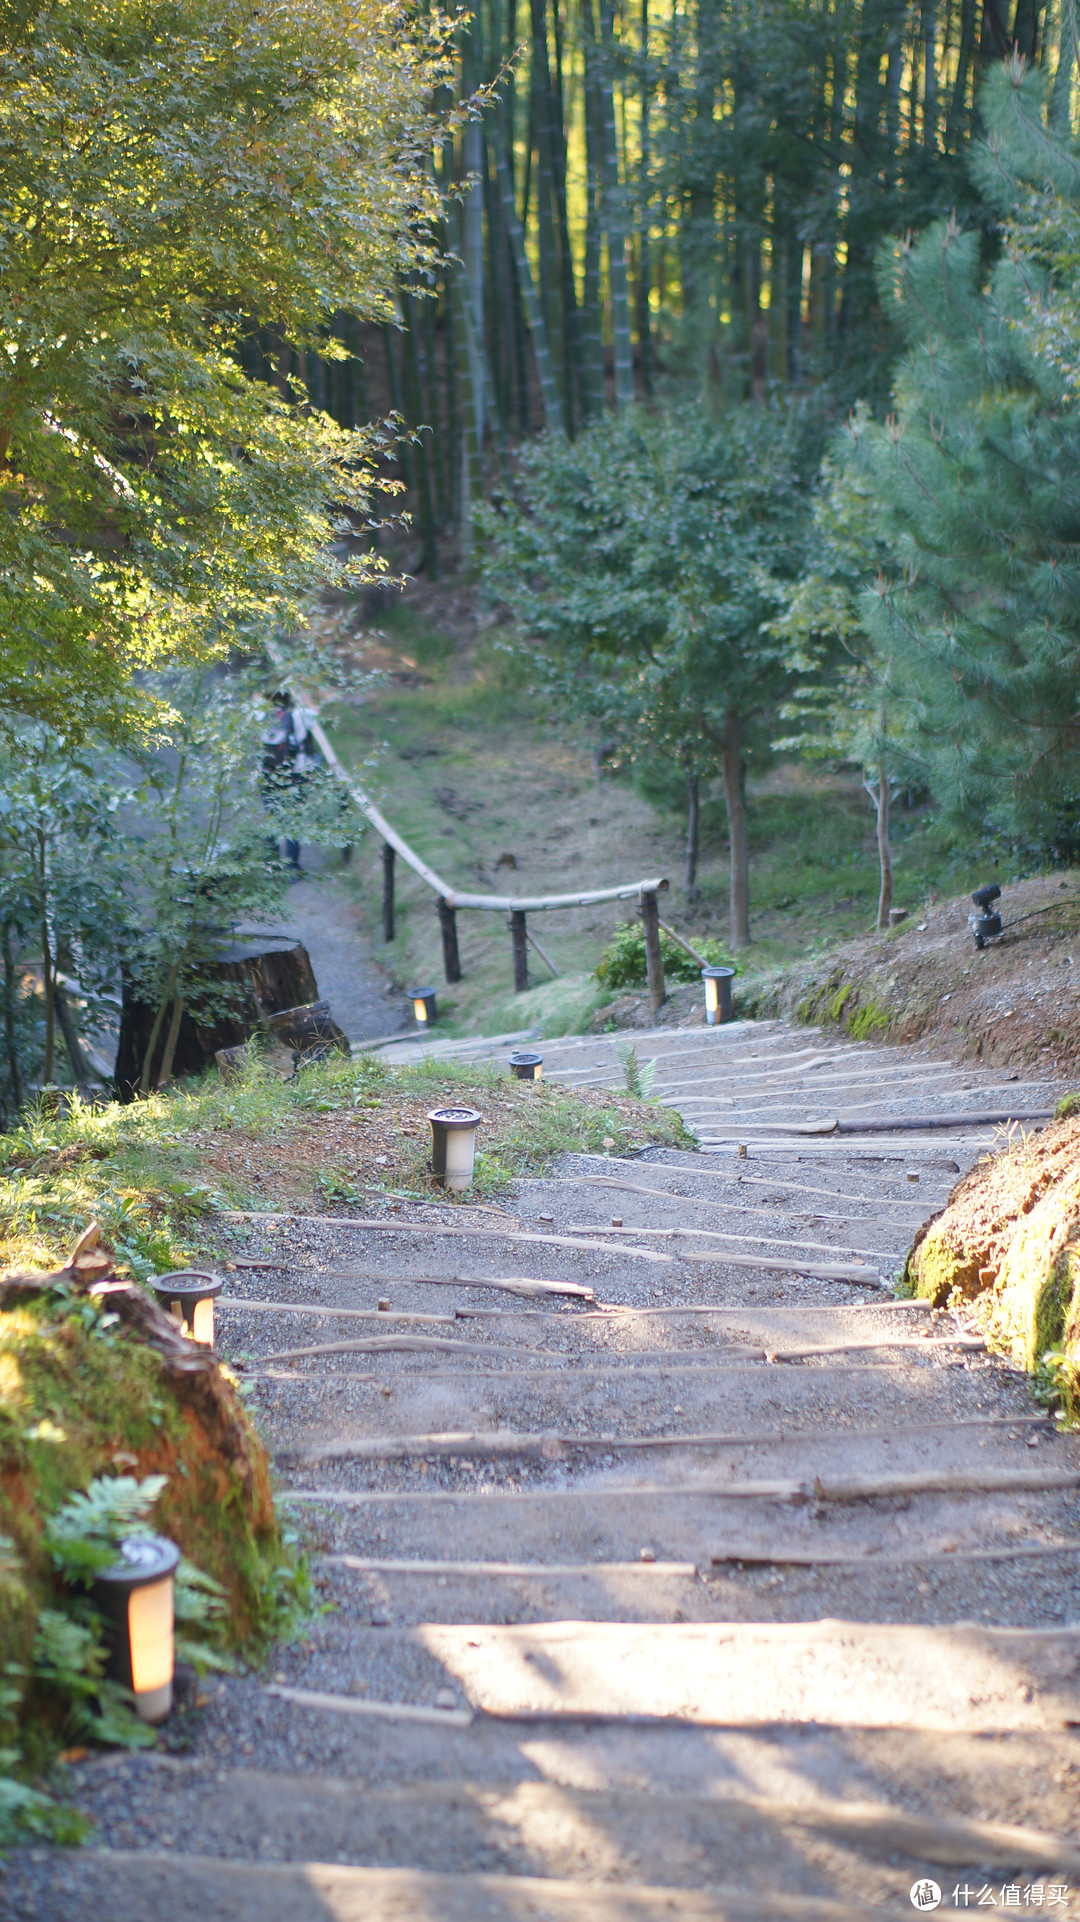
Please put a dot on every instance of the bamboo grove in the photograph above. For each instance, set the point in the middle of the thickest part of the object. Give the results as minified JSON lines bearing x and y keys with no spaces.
{"x":651,"y":194}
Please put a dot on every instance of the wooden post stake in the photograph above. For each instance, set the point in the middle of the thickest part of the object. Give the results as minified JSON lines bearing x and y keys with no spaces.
{"x":450,"y":956}
{"x":654,"y":960}
{"x":520,"y":938}
{"x":387,"y":892}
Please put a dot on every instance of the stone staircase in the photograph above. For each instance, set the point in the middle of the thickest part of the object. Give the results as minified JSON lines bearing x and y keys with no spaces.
{"x":671,"y":1566}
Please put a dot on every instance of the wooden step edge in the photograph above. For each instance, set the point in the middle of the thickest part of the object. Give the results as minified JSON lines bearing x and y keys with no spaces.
{"x":864,"y":1488}
{"x":913,"y":1557}
{"x":317,"y":1891}
{"x":552,"y":1444}
{"x":370,"y":1565}
{"x":380,"y":1711}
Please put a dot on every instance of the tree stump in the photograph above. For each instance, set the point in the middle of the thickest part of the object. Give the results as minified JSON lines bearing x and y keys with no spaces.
{"x":268,"y":973}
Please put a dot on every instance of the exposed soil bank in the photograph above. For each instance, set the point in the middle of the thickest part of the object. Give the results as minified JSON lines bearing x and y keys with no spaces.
{"x":1013,"y":1002}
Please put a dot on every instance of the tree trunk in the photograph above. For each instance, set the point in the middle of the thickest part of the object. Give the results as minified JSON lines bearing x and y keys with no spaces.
{"x":735,"y":802}
{"x":881,"y":802}
{"x":425,"y":500}
{"x":50,"y":1005}
{"x":167,"y":1058}
{"x":80,"y":1067}
{"x":545,"y":372}
{"x":643,"y":282}
{"x":930,"y":86}
{"x":10,"y":1036}
{"x":615,"y":222}
{"x":469,"y":471}
{"x":592,"y":333}
{"x":693,"y":836}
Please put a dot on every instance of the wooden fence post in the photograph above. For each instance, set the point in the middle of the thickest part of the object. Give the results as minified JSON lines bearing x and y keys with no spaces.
{"x":654,"y":960}
{"x":387,"y":892}
{"x":520,"y":938}
{"x":451,"y":958}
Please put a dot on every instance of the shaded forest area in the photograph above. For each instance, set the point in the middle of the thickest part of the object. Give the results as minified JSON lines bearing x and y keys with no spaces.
{"x":657,"y":197}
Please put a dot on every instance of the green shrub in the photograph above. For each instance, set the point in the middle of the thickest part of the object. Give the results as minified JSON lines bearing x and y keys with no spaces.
{"x":622,"y":964}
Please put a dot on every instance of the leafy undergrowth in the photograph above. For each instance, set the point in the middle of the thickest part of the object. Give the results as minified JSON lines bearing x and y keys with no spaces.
{"x":111,"y":1423}
{"x":1009,"y":1242}
{"x":345,"y":1130}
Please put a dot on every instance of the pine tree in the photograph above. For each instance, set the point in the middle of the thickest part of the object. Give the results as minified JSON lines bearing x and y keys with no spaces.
{"x":644,"y":565}
{"x":975,"y":483}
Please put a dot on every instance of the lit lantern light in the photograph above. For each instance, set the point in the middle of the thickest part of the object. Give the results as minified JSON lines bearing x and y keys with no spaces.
{"x":188,"y":1296}
{"x":453,"y":1143}
{"x":717,"y":994}
{"x":527,"y":1066}
{"x":135,"y":1598}
{"x":423,"y":1000}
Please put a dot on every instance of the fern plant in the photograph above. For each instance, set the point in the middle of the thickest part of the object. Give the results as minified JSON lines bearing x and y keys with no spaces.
{"x":638,"y":1076}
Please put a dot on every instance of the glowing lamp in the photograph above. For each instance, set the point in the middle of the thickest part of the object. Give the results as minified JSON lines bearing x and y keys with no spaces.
{"x":188,"y":1296}
{"x":453,"y":1143}
{"x":135,"y":1599}
{"x":423,"y":1000}
{"x":527,"y":1066}
{"x":717,"y":994}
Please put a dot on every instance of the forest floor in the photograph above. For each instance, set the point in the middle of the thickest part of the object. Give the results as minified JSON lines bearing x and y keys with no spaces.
{"x":468,"y":763}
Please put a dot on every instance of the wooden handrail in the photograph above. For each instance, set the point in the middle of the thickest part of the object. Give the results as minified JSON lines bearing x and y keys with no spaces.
{"x":506,"y":903}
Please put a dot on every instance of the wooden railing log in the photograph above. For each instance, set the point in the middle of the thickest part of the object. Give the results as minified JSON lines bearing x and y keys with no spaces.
{"x":520,"y":938}
{"x":387,"y":891}
{"x":450,"y":955}
{"x":654,"y":960}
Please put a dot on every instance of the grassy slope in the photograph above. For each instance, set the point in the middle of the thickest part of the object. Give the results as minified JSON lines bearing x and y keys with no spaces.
{"x":468,"y":769}
{"x":342,"y":1134}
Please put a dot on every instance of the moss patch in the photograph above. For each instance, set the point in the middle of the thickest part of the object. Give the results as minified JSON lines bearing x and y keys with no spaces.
{"x":105,"y":1384}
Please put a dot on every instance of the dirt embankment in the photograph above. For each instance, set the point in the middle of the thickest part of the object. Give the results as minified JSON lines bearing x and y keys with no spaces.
{"x":1009,"y":1241}
{"x":1015,"y":1002}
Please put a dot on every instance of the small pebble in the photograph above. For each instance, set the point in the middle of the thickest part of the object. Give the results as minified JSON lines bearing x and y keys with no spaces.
{"x":380,"y":1618}
{"x":616,"y":1221}
{"x":384,"y":1304}
{"x":648,"y":1554}
{"x":445,"y":1698}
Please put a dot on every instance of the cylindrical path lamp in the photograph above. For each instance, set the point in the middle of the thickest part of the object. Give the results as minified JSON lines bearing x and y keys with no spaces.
{"x":188,"y":1296}
{"x":423,"y":1000}
{"x":717,"y":994}
{"x":453,"y":1142}
{"x":527,"y":1066}
{"x":135,"y":1598}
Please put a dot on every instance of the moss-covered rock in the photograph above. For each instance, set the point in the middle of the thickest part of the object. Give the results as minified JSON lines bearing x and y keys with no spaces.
{"x":1010,"y":1239}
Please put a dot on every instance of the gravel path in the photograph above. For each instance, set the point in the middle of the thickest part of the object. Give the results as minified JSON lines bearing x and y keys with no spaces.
{"x":738,"y":1590}
{"x":366,"y":1001}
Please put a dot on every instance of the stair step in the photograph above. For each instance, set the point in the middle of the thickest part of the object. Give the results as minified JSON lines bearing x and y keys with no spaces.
{"x":195,"y":1888}
{"x":538,"y":1828}
{"x":840,"y":1673}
